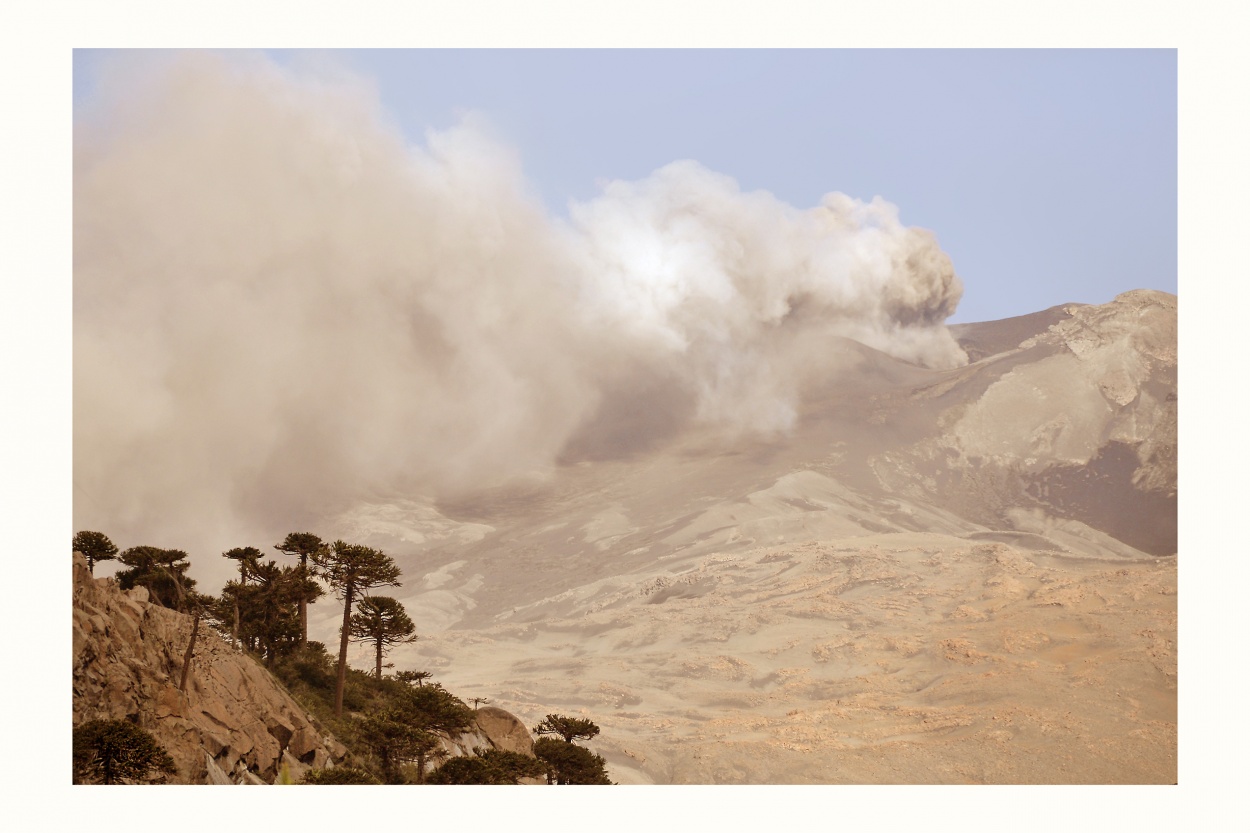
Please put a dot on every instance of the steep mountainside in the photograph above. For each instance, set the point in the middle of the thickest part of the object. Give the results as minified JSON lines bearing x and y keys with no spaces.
{"x":939,"y":575}
{"x":234,"y":724}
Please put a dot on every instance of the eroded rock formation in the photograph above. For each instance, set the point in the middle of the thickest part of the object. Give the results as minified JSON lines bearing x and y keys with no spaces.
{"x":233,"y":725}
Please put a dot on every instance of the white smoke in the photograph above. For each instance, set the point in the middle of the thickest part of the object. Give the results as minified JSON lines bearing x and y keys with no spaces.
{"x":280,"y":306}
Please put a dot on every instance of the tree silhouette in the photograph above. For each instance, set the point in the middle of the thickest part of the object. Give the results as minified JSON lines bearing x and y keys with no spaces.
{"x":568,"y":728}
{"x":396,"y":741}
{"x":488,"y":766}
{"x":303,"y":544}
{"x":108,"y":751}
{"x":247,"y":558}
{"x":95,"y":547}
{"x":162,"y":572}
{"x":351,"y":569}
{"x":568,"y":763}
{"x":382,"y":621}
{"x":264,"y":612}
{"x":411,"y":677}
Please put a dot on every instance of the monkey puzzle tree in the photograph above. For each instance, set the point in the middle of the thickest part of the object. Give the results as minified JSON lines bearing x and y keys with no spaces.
{"x":107,"y":751}
{"x":163,"y":572}
{"x":411,"y":677}
{"x":568,"y":728}
{"x":382,"y":621}
{"x":303,"y":544}
{"x":568,"y":763}
{"x":351,"y":569}
{"x":247,"y":557}
{"x":396,"y":741}
{"x":95,"y":547}
{"x":489,"y":766}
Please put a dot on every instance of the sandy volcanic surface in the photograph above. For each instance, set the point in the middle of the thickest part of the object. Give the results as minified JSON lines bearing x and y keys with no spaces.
{"x":940,"y":576}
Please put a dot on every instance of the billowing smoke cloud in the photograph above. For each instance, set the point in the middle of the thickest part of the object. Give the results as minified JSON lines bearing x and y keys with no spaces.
{"x":280,"y":306}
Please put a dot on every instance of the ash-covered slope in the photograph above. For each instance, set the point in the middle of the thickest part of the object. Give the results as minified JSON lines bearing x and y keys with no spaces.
{"x":939,"y":575}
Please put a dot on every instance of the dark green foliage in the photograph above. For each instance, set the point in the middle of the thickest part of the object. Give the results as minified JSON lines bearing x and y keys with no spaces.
{"x":381,"y":620}
{"x":434,"y":707}
{"x":312,"y":667}
{"x":568,"y":763}
{"x":416,"y":678}
{"x":568,"y":728}
{"x":397,"y":722}
{"x":339,"y":775}
{"x":112,"y":751}
{"x":95,"y":547}
{"x":395,"y":741}
{"x":247,"y":558}
{"x":354,"y":566}
{"x":488,"y":766}
{"x":305,"y":545}
{"x":351,"y":569}
{"x":163,"y":572}
{"x":264,"y":612}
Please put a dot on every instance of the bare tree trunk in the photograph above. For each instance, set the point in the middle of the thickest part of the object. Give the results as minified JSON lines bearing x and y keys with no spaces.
{"x":303,"y":622}
{"x":379,"y":669}
{"x":303,"y":602}
{"x":186,"y":659}
{"x":344,"y":631}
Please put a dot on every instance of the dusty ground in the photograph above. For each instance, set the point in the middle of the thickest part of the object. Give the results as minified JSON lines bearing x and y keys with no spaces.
{"x":939,"y":576}
{"x":900,"y":658}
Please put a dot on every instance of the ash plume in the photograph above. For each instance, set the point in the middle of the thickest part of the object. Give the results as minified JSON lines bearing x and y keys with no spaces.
{"x":282,"y":306}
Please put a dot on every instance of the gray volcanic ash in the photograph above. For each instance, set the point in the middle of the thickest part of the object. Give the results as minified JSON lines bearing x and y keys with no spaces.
{"x":940,"y":575}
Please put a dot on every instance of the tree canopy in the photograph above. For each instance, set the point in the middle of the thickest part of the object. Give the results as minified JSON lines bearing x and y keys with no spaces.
{"x":568,"y":763}
{"x":488,"y":766}
{"x":568,"y":728}
{"x":95,"y":547}
{"x":350,"y":569}
{"x":382,"y":621}
{"x":247,"y":558}
{"x":110,"y":751}
{"x":163,"y":572}
{"x":304,"y":545}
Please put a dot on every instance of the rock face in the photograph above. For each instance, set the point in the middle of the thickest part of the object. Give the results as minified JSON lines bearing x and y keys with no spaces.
{"x":233,"y":725}
{"x":504,"y":730}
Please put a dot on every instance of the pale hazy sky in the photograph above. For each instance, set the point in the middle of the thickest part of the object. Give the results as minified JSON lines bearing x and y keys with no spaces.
{"x":1048,"y":175}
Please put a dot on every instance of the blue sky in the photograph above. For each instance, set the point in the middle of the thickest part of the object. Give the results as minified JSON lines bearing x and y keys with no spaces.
{"x":1048,"y":176}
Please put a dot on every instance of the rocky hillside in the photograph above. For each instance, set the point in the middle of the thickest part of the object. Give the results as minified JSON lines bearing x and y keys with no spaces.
{"x":234,"y":724}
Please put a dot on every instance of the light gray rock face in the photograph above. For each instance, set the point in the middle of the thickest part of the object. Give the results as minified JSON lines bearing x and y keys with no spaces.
{"x":234,"y":724}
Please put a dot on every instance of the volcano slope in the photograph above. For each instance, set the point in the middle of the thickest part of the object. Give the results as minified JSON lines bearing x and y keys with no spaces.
{"x":938,"y":576}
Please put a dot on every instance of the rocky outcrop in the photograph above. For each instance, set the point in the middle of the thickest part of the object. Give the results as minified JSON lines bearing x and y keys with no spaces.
{"x":504,"y":730}
{"x":233,"y":725}
{"x":492,"y":729}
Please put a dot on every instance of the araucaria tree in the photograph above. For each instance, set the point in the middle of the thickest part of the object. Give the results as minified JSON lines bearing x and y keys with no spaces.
{"x":382,"y":621}
{"x":162,"y":572}
{"x":303,"y":544}
{"x":247,"y":557}
{"x":568,"y":763}
{"x":108,"y":751}
{"x":568,"y":728}
{"x":95,"y":547}
{"x":351,"y":569}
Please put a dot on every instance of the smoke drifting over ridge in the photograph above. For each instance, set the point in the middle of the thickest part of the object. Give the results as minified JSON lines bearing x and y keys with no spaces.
{"x":280,"y":306}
